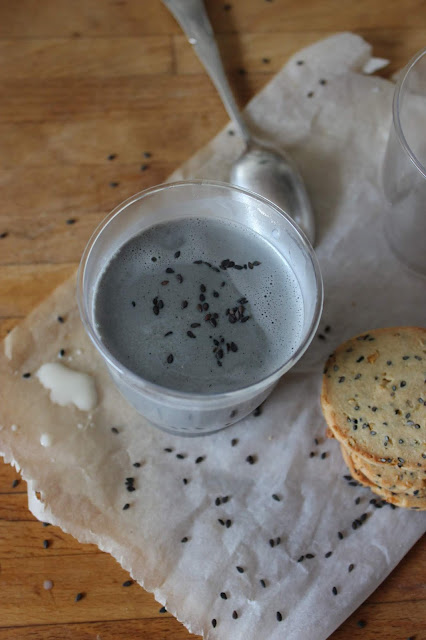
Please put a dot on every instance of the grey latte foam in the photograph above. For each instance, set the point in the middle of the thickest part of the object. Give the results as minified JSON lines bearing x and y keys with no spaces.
{"x":135,"y":335}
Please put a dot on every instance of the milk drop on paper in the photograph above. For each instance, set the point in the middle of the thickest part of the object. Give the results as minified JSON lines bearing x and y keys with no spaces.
{"x":68,"y":386}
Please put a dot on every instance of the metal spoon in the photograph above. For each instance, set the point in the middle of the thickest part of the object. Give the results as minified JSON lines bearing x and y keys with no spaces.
{"x":260,"y":168}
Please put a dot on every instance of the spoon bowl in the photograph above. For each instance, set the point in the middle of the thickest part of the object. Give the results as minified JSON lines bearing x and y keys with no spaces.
{"x":273,"y":175}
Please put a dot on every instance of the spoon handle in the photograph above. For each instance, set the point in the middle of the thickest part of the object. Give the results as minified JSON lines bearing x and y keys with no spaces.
{"x":195,"y":23}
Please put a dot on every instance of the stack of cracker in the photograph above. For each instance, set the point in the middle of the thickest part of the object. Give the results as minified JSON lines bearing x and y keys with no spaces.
{"x":374,"y":401}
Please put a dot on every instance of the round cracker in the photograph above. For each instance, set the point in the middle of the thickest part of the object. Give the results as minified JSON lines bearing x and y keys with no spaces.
{"x":398,"y":499}
{"x":392,"y":478}
{"x":370,"y":385}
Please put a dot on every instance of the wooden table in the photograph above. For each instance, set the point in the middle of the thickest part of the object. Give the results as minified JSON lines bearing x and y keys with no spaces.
{"x":100,"y":99}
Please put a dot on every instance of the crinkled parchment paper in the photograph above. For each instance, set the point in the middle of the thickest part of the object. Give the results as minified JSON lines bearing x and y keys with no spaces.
{"x":337,"y":137}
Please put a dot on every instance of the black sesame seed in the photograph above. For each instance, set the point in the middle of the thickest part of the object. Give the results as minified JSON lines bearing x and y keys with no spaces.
{"x":179,"y":278}
{"x":183,"y":304}
{"x":71,"y":221}
{"x":309,"y":556}
{"x":126,"y":506}
{"x":168,"y":449}
{"x":251,"y":459}
{"x":341,"y":379}
{"x":62,"y":353}
{"x":15,"y":483}
{"x":4,"y":234}
{"x":340,"y":535}
{"x":199,"y":459}
{"x":112,"y":185}
{"x":357,"y":500}
{"x":234,"y":615}
{"x":234,"y":442}
{"x":144,"y":167}
{"x":127,"y":583}
{"x":323,"y":455}
{"x":328,"y":554}
{"x":279,"y":616}
{"x":177,"y":254}
{"x":198,"y":262}
{"x":214,"y":623}
{"x":223,"y":595}
{"x":147,"y":154}
{"x":202,"y":288}
{"x":220,"y":521}
{"x":271,"y":543}
{"x":190,"y":334}
{"x":310,"y":94}
{"x":162,"y":610}
{"x":360,"y":359}
{"x":170,"y":270}
{"x":180,"y":456}
{"x":184,"y":539}
{"x":154,"y":259}
{"x":46,"y":524}
{"x":60,"y":319}
{"x":402,"y":383}
{"x":257,"y":412}
{"x":321,"y":336}
{"x":300,"y":62}
{"x":240,"y":569}
{"x":361,"y":624}
{"x":185,"y":480}
{"x":234,"y":347}
{"x":312,"y":454}
{"x":351,"y":568}
{"x":301,"y":559}
{"x":45,"y":544}
{"x":170,"y":358}
{"x":275,"y":497}
{"x":262,"y":583}
{"x":79,"y":597}
{"x":334,"y":590}
{"x":114,"y":429}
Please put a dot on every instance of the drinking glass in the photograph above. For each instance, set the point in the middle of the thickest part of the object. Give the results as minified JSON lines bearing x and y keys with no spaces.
{"x":175,"y":411}
{"x":404,"y":170}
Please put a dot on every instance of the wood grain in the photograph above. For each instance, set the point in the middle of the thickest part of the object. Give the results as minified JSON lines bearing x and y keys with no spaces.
{"x":82,"y":80}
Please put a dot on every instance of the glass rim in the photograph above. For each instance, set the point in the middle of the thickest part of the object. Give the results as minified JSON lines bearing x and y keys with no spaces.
{"x":396,"y":110}
{"x":157,"y":389}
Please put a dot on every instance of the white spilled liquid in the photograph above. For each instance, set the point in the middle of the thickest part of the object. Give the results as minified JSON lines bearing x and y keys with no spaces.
{"x":68,"y":386}
{"x":143,"y":312}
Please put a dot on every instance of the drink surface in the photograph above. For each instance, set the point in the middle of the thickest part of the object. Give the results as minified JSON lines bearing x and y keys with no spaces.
{"x":199,"y":305}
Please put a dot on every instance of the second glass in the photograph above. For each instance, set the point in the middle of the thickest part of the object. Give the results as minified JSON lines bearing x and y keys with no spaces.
{"x":404,"y":170}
